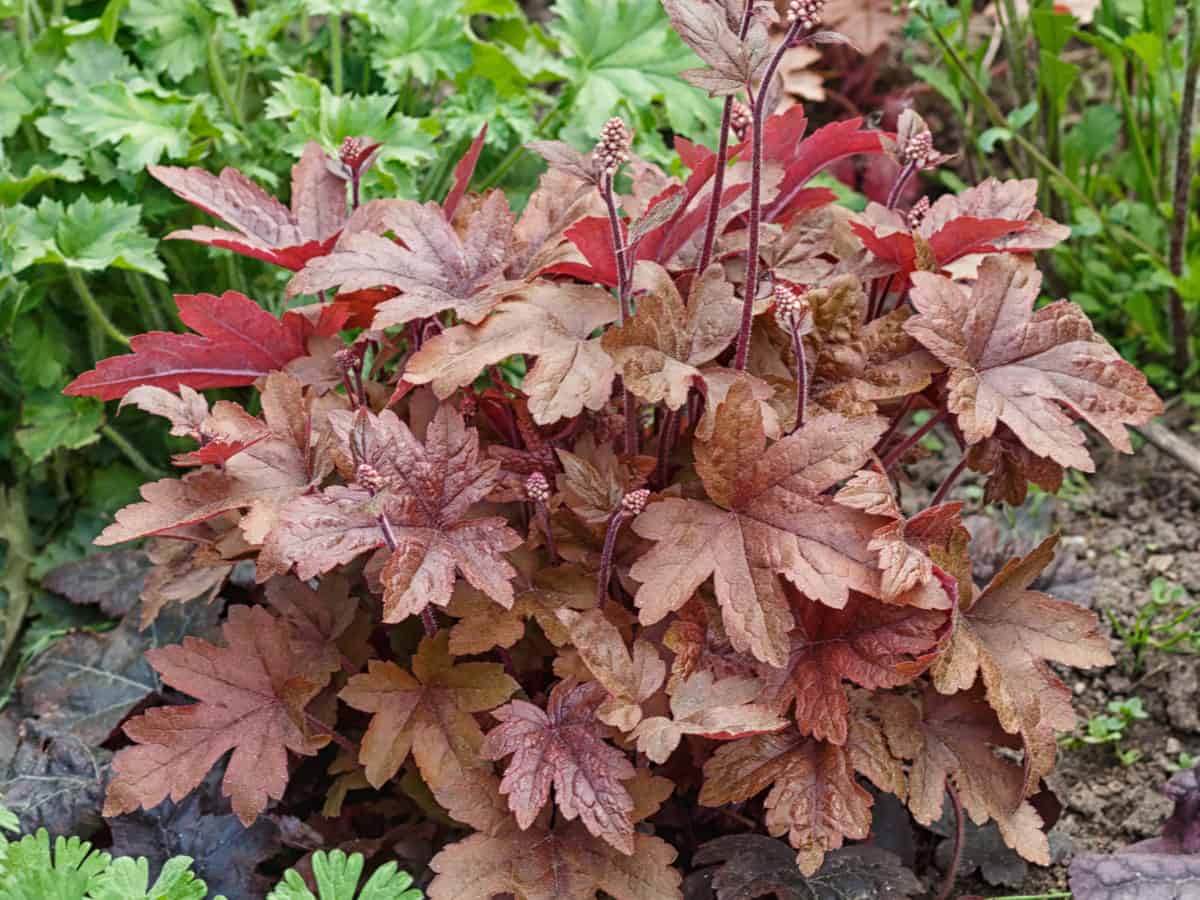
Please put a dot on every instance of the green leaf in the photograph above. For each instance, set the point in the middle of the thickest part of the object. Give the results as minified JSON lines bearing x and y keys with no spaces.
{"x":1149,"y":49}
{"x":313,"y":112}
{"x":993,"y":136}
{"x":127,"y":879}
{"x":1023,"y":115}
{"x":28,"y":870}
{"x":940,"y":82}
{"x":8,"y":820}
{"x":51,"y":421}
{"x":1093,"y":136}
{"x":424,"y":43}
{"x":623,"y":53}
{"x":15,"y":185}
{"x":38,"y":351}
{"x":1053,"y":29}
{"x":175,"y":33}
{"x":1056,"y":77}
{"x":337,"y":878}
{"x":88,"y":236}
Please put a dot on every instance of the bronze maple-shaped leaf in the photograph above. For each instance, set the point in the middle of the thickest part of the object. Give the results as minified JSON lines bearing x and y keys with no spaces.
{"x":872,"y":644}
{"x":660,"y":350}
{"x":814,"y":798}
{"x":252,"y":695}
{"x":950,"y":741}
{"x":418,"y":506}
{"x":430,"y":264}
{"x":563,"y":746}
{"x":429,"y":711}
{"x":1008,"y":634}
{"x":266,"y":229}
{"x":701,"y":705}
{"x":554,"y":864}
{"x":550,"y":321}
{"x":1035,"y":371}
{"x":769,"y":518}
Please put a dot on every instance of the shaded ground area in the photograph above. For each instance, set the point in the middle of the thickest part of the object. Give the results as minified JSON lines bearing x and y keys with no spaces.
{"x":1137,"y":519}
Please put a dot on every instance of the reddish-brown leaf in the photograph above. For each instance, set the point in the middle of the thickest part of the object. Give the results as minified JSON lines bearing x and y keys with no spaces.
{"x":722,"y":710}
{"x":236,"y":343}
{"x":564,"y":863}
{"x":1032,"y":370}
{"x":659,"y":351}
{"x":430,"y":713}
{"x":814,"y":799}
{"x":629,"y":678}
{"x":950,"y":741}
{"x":773,"y":521}
{"x":265,"y":228}
{"x":872,"y":644}
{"x":463,"y":171}
{"x":553,"y":322}
{"x":563,"y":746}
{"x":427,"y":492}
{"x":252,"y":695}
{"x":1008,"y":635}
{"x":430,"y":264}
{"x":316,"y":618}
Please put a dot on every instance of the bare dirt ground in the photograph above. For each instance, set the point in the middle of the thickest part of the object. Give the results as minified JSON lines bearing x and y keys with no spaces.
{"x":1137,"y":519}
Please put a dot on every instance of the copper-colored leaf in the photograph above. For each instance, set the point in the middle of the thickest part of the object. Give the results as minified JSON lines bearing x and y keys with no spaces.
{"x":562,"y":746}
{"x":659,"y":351}
{"x":564,"y":863}
{"x":427,"y":490}
{"x":872,"y":644}
{"x":1031,"y":370}
{"x":432,"y":267}
{"x":774,"y":522}
{"x":266,"y":229}
{"x":252,"y":695}
{"x":429,"y":711}
{"x":1008,"y":635}
{"x":550,"y":321}
{"x":814,"y":798}
{"x":722,"y":709}
{"x":950,"y":741}
{"x":629,"y":678}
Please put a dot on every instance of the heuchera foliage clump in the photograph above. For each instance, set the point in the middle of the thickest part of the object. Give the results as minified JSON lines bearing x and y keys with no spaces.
{"x":594,"y":523}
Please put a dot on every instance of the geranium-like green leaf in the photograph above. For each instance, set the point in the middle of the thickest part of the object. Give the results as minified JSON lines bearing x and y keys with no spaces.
{"x":52,"y":421}
{"x":337,"y":878}
{"x":16,"y":183}
{"x":625,"y":51}
{"x":424,"y":42}
{"x":175,"y":33}
{"x":29,"y":871}
{"x":315,"y":113}
{"x":129,"y":879}
{"x":86,"y":235}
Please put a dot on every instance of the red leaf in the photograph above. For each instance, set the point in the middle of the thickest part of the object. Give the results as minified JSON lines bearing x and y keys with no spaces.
{"x":463,"y":172}
{"x":265,"y":228}
{"x":806,"y":158}
{"x":237,"y":342}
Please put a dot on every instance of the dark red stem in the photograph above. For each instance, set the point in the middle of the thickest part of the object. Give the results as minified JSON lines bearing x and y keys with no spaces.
{"x":757,"y":122}
{"x":1183,"y":186}
{"x":666,"y":441}
{"x":801,"y":379}
{"x":956,"y":858}
{"x":897,"y":421}
{"x":614,"y":223}
{"x":343,"y":742}
{"x":948,"y":482}
{"x":905,"y":173}
{"x":543,"y":520}
{"x":429,"y":622}
{"x":912,"y":440}
{"x":606,"y":555}
{"x":714,"y":206}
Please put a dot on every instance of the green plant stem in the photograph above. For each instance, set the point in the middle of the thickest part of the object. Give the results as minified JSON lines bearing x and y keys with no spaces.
{"x":23,"y":31}
{"x":95,"y":312}
{"x":997,"y":119}
{"x":1183,"y":183}
{"x":154,"y":316}
{"x":132,"y":453}
{"x":14,"y":530}
{"x":335,"y":52}
{"x":1133,"y":128}
{"x":510,"y":159}
{"x":216,"y":74}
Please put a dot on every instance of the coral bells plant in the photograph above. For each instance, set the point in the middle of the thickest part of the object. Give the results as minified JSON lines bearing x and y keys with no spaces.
{"x":580,"y":532}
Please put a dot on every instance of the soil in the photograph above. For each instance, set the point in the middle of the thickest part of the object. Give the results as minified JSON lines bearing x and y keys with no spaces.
{"x":1137,"y":519}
